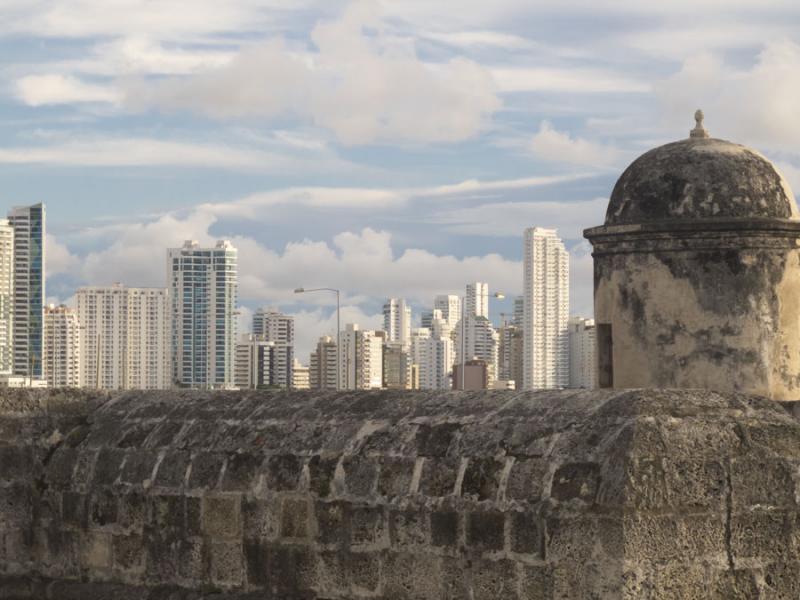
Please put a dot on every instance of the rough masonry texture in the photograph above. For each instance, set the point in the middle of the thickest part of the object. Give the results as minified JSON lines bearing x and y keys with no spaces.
{"x":697,"y":273}
{"x":491,"y":495}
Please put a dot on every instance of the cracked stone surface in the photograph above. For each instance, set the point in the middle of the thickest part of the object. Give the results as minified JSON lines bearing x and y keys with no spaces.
{"x":607,"y":494}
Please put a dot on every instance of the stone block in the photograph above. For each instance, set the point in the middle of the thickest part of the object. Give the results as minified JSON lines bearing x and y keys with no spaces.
{"x":205,"y":470}
{"x":172,"y":469}
{"x":74,"y":509}
{"x":295,"y":518}
{"x":16,"y":503}
{"x":167,"y":513}
{"x":439,"y":477}
{"x":191,"y":559}
{"x":96,"y":550}
{"x":781,"y":581}
{"x":283,"y":472}
{"x":363,"y":572}
{"x":261,"y":518}
{"x":84,"y":469}
{"x":494,"y":579}
{"x":221,"y":516}
{"x":737,"y":585}
{"x":576,"y":481}
{"x":435,"y":440}
{"x":360,"y":473}
{"x":132,"y":511}
{"x":60,"y":467}
{"x":367,"y":526}
{"x":135,"y":435}
{"x":482,"y":478}
{"x":395,"y":476}
{"x":333,"y":523}
{"x":536,"y":583}
{"x":570,"y":539}
{"x":444,"y":528}
{"x":241,"y":472}
{"x":108,"y":466}
{"x":762,"y":535}
{"x":128,"y":552}
{"x":526,"y":480}
{"x":165,"y":434}
{"x":696,"y":484}
{"x":408,"y":527}
{"x":526,"y":533}
{"x":321,"y":471}
{"x":102,"y":509}
{"x":455,"y":580}
{"x":333,"y":574}
{"x":138,"y":469}
{"x":485,"y":530}
{"x":763,"y":482}
{"x":16,"y":462}
{"x":411,"y":576}
{"x":668,"y":537}
{"x":284,"y":571}
{"x":226,"y":563}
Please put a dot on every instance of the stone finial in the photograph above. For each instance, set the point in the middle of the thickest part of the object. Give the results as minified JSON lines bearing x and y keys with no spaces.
{"x":699,"y":131}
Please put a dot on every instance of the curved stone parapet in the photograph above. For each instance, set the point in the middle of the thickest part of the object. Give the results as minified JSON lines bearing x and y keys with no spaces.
{"x":594,"y":494}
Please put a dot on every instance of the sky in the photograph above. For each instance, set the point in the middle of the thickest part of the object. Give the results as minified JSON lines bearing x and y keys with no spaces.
{"x":384,"y":147}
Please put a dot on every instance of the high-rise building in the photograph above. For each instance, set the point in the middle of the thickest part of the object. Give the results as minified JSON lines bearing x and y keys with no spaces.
{"x":6,"y":298}
{"x":271,"y":325}
{"x":582,"y":353}
{"x":477,"y":300}
{"x":426,"y":318}
{"x":432,"y":352}
{"x":397,"y":320}
{"x":62,"y":347}
{"x":204,"y":286}
{"x":397,"y":363}
{"x":323,"y":365}
{"x":125,"y":337}
{"x":519,"y":311}
{"x":261,"y":364}
{"x":546,"y":311}
{"x":450,"y":305}
{"x":510,"y":354}
{"x":300,"y":376}
{"x":361,"y":358}
{"x":480,"y":341}
{"x":28,"y":223}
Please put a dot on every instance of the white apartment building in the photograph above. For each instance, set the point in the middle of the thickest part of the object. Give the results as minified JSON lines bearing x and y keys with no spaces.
{"x":323,"y":365}
{"x":28,"y":223}
{"x":546,"y":310}
{"x":477,"y":300}
{"x":397,"y":320}
{"x":478,"y":339}
{"x":433,"y":355}
{"x":301,"y":379}
{"x":261,"y":364}
{"x":361,"y":356}
{"x":271,"y":325}
{"x":6,"y":298}
{"x":62,"y":347}
{"x":124,"y":340}
{"x":450,"y":305}
{"x":582,"y":353}
{"x":204,"y":285}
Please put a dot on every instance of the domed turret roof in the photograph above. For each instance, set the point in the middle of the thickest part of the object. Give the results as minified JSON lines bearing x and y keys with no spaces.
{"x":700,"y":178}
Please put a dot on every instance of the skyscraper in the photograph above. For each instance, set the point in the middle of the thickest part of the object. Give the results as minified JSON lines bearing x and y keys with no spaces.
{"x":322,"y":366}
{"x":477,"y":299}
{"x":480,"y":341}
{"x":29,"y":293}
{"x":361,"y":358}
{"x":270,"y":325}
{"x":397,"y":320}
{"x":261,"y":364}
{"x":582,"y":353}
{"x":204,"y":286}
{"x":432,"y":352}
{"x":510,"y":354}
{"x":62,"y":347}
{"x":6,"y":298}
{"x":519,"y":311}
{"x":125,"y":337}
{"x":450,"y":305}
{"x":546,"y":310}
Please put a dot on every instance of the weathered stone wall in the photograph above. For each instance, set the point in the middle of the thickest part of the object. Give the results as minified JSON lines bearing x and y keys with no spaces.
{"x":605,"y":494}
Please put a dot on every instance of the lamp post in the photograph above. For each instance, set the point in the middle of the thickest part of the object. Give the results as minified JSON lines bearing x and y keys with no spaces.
{"x":301,"y":290}
{"x":497,"y":295}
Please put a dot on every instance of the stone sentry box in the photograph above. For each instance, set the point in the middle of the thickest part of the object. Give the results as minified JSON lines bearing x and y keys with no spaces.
{"x":603,"y":494}
{"x":697,"y":273}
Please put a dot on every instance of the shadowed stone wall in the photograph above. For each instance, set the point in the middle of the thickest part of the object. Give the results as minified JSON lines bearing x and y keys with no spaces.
{"x":496,"y":495}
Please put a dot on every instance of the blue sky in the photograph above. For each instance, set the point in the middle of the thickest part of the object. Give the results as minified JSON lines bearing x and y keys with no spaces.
{"x":394,"y":147}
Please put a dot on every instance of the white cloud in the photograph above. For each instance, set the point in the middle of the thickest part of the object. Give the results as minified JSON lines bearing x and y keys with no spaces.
{"x":755,"y":105}
{"x":576,"y":80}
{"x":552,"y":145}
{"x":59,"y":258}
{"x":39,"y":90}
{"x":362,"y":83}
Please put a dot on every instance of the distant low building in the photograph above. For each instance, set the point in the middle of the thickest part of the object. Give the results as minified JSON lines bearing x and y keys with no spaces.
{"x":62,"y":347}
{"x":476,"y":375}
{"x":323,"y":365}
{"x":582,"y":353}
{"x":301,"y":379}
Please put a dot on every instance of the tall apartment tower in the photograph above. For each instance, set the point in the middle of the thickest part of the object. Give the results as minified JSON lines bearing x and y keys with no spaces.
{"x":510,"y":354}
{"x":432,"y":352}
{"x":204,"y":286}
{"x":62,"y":347}
{"x":478,"y":339}
{"x":519,"y":311}
{"x":6,"y":298}
{"x":582,"y":353}
{"x":397,"y":320}
{"x":361,"y":356}
{"x":322,"y":366}
{"x":125,"y":337}
{"x":450,"y":305}
{"x":477,"y":299}
{"x":546,"y":310}
{"x":270,"y":325}
{"x":28,"y":223}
